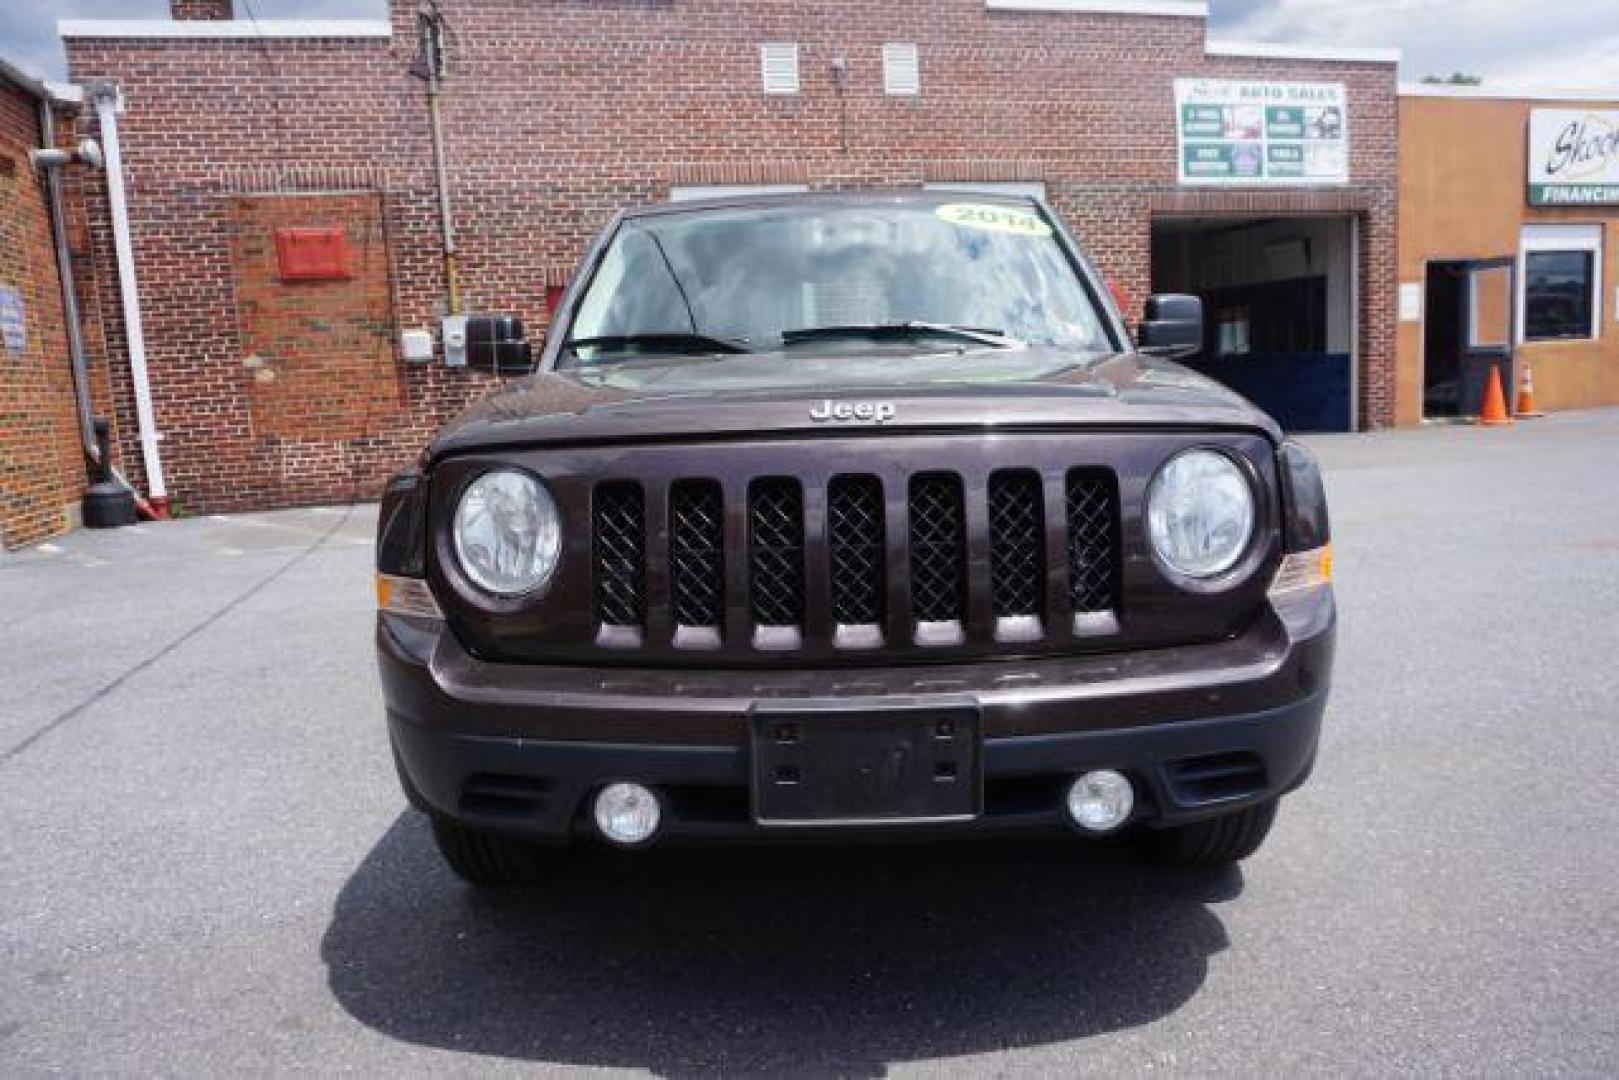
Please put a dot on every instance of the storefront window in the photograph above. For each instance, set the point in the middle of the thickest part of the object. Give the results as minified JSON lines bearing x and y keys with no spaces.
{"x":1557,"y":294}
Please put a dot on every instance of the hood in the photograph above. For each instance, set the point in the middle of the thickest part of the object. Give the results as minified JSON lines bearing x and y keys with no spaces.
{"x":777,"y":393}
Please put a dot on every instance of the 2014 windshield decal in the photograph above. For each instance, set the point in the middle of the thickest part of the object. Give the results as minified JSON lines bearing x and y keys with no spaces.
{"x":875,"y":412}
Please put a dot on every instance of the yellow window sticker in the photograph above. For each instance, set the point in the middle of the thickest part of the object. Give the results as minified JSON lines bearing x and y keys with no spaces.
{"x":992,"y":218}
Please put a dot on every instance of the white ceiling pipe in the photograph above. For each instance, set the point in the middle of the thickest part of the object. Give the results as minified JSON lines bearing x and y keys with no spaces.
{"x":105,"y":97}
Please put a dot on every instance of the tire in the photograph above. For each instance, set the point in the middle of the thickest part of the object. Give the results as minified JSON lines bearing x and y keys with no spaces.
{"x":1216,"y":842}
{"x":489,"y":860}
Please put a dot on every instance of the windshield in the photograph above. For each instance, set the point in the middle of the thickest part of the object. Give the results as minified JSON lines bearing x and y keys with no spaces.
{"x":801,"y":277}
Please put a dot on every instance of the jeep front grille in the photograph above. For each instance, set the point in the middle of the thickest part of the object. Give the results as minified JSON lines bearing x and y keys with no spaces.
{"x":819,"y":564}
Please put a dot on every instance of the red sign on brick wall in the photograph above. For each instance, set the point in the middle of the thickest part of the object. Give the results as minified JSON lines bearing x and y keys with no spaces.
{"x":313,"y":254}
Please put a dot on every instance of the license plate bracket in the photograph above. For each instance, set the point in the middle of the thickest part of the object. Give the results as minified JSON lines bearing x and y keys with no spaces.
{"x":858,"y":766}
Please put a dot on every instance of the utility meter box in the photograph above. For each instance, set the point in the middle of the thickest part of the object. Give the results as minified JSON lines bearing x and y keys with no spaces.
{"x":417,"y":346}
{"x":455,"y":341}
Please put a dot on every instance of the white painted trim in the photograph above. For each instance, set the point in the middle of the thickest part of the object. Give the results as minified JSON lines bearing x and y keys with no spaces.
{"x":1510,"y":93}
{"x":224,"y":29}
{"x":1565,"y":236}
{"x":902,"y":59}
{"x":1271,"y":50}
{"x":693,"y":192}
{"x":1184,"y":9}
{"x":1354,"y":322}
{"x":27,"y":79}
{"x":67,"y":93}
{"x":1026,"y":189}
{"x":778,"y":55}
{"x":106,"y":99}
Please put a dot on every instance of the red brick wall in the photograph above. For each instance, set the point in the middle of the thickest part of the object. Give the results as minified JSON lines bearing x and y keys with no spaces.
{"x":317,"y":383}
{"x":41,"y":464}
{"x":560,"y":111}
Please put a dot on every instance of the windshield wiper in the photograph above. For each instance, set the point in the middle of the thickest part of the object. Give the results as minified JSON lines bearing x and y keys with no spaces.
{"x":674,"y":342}
{"x":913,"y":328}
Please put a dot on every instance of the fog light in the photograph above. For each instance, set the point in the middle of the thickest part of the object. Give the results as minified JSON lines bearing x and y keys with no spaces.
{"x":627,"y":814}
{"x":1100,"y":801}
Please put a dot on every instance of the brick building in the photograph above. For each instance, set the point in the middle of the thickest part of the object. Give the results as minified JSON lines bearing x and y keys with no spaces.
{"x":42,"y":444}
{"x":1509,"y":248}
{"x":238,"y":137}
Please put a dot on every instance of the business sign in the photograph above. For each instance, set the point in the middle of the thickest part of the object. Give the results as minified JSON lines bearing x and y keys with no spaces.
{"x":1265,"y":133}
{"x":13,"y":326}
{"x":1574,"y":157}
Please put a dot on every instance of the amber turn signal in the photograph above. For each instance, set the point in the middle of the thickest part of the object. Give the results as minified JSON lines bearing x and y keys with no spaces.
{"x":1303,"y":570}
{"x":406,"y":596}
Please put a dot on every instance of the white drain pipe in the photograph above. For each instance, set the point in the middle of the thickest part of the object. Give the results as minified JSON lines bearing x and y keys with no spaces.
{"x":105,"y":96}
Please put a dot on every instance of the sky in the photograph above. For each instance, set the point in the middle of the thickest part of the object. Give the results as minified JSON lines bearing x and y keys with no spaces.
{"x":1547,"y":44}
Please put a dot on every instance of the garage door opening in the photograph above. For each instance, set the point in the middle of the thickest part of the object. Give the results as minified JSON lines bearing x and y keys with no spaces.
{"x":1279,"y":302}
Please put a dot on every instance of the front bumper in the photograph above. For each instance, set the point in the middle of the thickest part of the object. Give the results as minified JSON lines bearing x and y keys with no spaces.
{"x":1200,"y":729}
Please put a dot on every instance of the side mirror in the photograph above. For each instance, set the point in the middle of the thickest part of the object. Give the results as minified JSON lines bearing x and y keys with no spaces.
{"x":496,"y":345}
{"x":1171,"y":325}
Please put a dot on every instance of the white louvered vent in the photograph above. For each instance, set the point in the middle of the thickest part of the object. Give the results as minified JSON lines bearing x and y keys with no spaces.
{"x":902,"y":70}
{"x":779,"y":62}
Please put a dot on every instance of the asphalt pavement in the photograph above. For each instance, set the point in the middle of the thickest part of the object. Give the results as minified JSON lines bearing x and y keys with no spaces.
{"x":206,"y":867}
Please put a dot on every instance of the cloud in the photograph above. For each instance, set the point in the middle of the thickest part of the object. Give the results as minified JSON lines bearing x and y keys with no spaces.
{"x":1548,"y":44}
{"x":28,"y":27}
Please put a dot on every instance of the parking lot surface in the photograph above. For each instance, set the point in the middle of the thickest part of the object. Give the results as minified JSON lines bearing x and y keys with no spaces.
{"x":206,"y":866}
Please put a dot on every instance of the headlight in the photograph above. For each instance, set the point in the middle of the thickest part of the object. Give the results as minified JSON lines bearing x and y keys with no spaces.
{"x":1200,"y":513}
{"x":507,"y":533}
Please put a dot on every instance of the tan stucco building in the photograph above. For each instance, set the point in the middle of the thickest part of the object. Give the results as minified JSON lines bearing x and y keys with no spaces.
{"x":1508,"y":236}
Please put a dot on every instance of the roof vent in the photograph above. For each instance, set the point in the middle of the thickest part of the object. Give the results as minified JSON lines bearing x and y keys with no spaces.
{"x":902,"y":70}
{"x":779,"y":62}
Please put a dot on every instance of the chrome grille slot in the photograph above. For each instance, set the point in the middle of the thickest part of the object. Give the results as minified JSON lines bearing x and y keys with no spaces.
{"x":938,"y":557}
{"x":855,"y":539}
{"x":1017,"y":543}
{"x":697,"y":555}
{"x":618,"y":518}
{"x":1093,"y":536}
{"x":776,"y":559}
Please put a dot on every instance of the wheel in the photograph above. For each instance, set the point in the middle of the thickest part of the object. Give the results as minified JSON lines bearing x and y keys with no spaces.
{"x":1226,"y":839}
{"x":489,"y":859}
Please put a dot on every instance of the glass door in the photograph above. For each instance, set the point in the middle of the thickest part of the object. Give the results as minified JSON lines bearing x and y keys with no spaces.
{"x":1489,"y":329}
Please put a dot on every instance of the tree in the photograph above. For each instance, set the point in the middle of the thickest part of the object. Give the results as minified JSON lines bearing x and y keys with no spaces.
{"x":1455,"y":78}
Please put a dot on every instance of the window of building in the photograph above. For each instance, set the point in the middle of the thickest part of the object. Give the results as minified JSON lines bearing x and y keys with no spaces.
{"x":1561,"y":270}
{"x":902,"y":70}
{"x":688,"y":192}
{"x":779,"y":63}
{"x":1557,"y":301}
{"x":1032,"y":188}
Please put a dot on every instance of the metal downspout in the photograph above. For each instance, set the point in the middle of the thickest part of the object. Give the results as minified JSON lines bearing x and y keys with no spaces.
{"x":70,"y":295}
{"x":105,"y":96}
{"x":432,"y":45}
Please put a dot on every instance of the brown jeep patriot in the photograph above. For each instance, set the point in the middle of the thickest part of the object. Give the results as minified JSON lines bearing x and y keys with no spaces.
{"x":849,"y":515}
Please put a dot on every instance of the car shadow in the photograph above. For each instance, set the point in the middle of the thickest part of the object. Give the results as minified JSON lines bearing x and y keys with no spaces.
{"x":797,"y":960}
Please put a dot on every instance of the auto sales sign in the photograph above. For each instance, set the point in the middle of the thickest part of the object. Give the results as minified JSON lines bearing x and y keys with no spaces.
{"x":1574,"y":157}
{"x":1264,"y":133}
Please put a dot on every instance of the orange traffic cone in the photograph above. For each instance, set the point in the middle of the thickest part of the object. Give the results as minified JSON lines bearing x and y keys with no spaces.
{"x":1526,"y":394}
{"x":1495,"y":402}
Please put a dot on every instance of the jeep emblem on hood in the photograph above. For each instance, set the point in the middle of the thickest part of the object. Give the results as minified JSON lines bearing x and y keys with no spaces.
{"x":877,"y":412}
